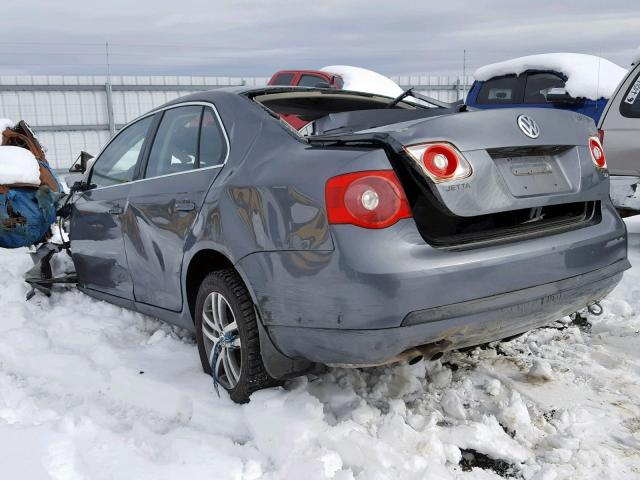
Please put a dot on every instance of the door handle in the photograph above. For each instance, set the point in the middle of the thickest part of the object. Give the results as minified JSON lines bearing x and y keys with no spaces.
{"x":185,"y":205}
{"x":116,"y":210}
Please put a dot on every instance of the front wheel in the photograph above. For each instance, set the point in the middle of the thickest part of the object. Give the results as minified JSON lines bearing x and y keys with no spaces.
{"x":225,"y":317}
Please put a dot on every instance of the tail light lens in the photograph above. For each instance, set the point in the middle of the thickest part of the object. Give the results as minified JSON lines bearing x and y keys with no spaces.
{"x":597,"y":152}
{"x":440,"y":161}
{"x":371,"y":199}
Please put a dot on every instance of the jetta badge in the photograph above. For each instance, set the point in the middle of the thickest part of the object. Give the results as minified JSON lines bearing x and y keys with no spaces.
{"x":528,"y":126}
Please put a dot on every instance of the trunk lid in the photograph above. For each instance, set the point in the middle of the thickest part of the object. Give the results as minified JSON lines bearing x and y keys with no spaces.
{"x":510,"y":170}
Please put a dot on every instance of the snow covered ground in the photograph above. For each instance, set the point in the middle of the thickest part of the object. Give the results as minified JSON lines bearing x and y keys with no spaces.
{"x":91,"y":391}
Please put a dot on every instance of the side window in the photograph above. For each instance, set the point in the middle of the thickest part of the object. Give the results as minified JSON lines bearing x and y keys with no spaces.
{"x":117,"y":163}
{"x":213,"y":147}
{"x":283,"y":79}
{"x":630,"y":104}
{"x":311,"y":81}
{"x":538,"y":84}
{"x":175,"y":147}
{"x":499,"y":91}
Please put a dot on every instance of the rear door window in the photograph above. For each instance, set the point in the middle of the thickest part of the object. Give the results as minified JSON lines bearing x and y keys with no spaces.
{"x":538,"y":84}
{"x":283,"y":79}
{"x":630,"y":105}
{"x":500,"y":90}
{"x":311,"y":81}
{"x":213,"y":145}
{"x":175,"y":147}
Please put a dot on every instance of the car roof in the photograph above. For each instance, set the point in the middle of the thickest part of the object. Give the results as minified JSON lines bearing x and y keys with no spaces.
{"x":295,"y":70}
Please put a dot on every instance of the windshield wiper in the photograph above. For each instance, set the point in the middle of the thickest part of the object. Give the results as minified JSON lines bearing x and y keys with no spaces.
{"x":400,"y":97}
{"x":411,"y":93}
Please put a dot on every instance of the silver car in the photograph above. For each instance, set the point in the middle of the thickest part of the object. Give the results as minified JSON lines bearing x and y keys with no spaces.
{"x":619,"y":129}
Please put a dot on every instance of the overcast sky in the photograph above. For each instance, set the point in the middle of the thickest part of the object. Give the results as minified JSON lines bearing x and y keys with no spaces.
{"x":258,"y":37}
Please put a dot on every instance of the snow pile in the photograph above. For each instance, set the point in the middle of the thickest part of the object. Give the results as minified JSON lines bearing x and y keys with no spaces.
{"x":4,"y":123}
{"x":89,"y":390}
{"x":363,"y":80}
{"x":587,"y":75}
{"x":18,"y":165}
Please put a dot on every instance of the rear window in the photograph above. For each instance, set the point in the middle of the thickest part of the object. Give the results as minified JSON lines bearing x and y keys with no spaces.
{"x":630,"y":105}
{"x":282,"y":79}
{"x":538,"y":84}
{"x":311,"y":81}
{"x":499,"y":90}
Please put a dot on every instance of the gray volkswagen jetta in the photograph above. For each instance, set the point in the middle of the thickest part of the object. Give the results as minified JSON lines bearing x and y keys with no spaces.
{"x":384,"y":230}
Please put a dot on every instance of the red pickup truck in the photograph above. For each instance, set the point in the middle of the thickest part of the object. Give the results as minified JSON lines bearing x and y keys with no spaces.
{"x":306,"y":78}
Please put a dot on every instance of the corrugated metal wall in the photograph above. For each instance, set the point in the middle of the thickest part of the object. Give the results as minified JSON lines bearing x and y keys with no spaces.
{"x":71,"y":113}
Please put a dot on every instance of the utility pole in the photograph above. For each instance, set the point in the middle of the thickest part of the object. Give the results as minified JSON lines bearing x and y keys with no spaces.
{"x":107,"y":87}
{"x":464,"y":73}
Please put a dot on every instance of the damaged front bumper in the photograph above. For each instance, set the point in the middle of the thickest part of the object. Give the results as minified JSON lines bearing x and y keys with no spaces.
{"x":43,"y":275}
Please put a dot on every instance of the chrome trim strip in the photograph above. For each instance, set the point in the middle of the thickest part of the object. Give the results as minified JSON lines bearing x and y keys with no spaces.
{"x":153,"y":112}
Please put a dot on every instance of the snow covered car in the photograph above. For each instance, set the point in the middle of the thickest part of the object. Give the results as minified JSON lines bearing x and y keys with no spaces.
{"x":389,"y":232}
{"x":568,"y":81}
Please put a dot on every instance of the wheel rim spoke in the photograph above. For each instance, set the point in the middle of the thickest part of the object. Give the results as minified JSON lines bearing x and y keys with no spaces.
{"x":220,"y":311}
{"x":234,"y":369}
{"x":210,"y":323}
{"x":211,"y":336}
{"x":233,"y":326}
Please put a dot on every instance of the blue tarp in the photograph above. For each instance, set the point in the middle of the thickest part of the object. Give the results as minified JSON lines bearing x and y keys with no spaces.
{"x":26,"y":214}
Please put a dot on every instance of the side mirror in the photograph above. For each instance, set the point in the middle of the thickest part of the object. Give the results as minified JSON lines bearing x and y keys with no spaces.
{"x":76,"y":182}
{"x":560,"y":96}
{"x":80,"y":165}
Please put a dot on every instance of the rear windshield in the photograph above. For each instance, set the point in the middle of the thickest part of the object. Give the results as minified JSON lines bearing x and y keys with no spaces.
{"x":499,"y":90}
{"x":630,"y":105}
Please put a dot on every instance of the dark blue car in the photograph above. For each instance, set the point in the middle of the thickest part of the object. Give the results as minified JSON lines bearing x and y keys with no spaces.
{"x":533,"y":88}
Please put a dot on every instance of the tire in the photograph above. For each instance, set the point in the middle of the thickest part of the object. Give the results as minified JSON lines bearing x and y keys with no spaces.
{"x":225,"y":291}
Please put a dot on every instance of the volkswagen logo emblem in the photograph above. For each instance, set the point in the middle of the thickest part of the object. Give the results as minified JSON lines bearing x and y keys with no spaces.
{"x":528,"y":126}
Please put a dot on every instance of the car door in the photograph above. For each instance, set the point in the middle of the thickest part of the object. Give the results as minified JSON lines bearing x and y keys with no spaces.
{"x":188,"y":151}
{"x":96,"y":223}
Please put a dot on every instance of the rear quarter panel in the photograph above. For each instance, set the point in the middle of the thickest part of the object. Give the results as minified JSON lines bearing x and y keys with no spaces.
{"x":270,"y":194}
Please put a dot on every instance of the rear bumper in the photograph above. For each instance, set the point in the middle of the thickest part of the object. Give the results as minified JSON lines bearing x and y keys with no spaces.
{"x":452,"y":326}
{"x":381,"y":292}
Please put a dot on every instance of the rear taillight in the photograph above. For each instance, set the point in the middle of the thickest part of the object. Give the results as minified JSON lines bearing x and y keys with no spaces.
{"x":440,"y":161}
{"x":597,"y":152}
{"x":371,"y":199}
{"x":601,"y":136}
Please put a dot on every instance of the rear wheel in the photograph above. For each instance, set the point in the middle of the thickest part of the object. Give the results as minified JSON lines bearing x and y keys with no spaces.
{"x":225,"y":317}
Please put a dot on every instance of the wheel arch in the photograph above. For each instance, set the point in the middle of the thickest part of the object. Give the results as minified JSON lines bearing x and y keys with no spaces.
{"x":199,"y":265}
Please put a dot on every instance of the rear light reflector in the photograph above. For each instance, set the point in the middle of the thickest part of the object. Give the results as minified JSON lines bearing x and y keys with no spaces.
{"x":440,"y":161}
{"x":597,"y":152}
{"x":370,"y":199}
